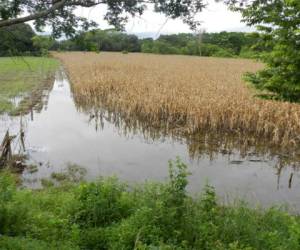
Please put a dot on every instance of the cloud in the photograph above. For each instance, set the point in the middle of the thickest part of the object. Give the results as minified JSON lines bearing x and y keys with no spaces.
{"x":215,"y":18}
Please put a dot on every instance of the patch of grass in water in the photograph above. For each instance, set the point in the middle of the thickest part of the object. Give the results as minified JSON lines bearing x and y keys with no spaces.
{"x":46,"y":183}
{"x":59,"y":176}
{"x":32,"y":168}
{"x":73,"y":173}
{"x":23,"y":75}
{"x":5,"y":105}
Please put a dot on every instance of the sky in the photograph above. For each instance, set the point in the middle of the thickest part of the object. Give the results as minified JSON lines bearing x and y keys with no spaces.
{"x":215,"y":18}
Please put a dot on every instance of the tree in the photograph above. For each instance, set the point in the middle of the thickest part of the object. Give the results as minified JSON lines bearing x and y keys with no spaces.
{"x":147,"y":45}
{"x":279,"y":24}
{"x":59,"y":14}
{"x":230,"y":40}
{"x":15,"y":39}
{"x":105,"y":40}
{"x":192,"y":48}
{"x":43,"y":44}
{"x":161,"y":47}
{"x":177,"y":40}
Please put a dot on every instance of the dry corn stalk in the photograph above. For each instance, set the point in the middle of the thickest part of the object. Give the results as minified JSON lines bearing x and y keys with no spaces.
{"x":181,"y":93}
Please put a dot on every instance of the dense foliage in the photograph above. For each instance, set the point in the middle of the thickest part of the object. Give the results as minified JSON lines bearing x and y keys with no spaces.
{"x":279,"y":23}
{"x":42,"y":44}
{"x":223,"y":44}
{"x":16,"y":40}
{"x":108,"y":214}
{"x":22,"y":40}
{"x":101,"y":40}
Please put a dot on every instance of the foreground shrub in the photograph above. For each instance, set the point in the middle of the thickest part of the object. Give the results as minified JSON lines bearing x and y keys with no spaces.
{"x":108,"y":214}
{"x":102,"y":203}
{"x":19,"y":243}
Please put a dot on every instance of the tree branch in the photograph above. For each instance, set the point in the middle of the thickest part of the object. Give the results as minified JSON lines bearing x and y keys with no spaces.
{"x":85,"y":3}
{"x":58,"y":5}
{"x":173,"y":9}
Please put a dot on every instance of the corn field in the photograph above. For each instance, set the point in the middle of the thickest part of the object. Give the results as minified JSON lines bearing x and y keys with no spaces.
{"x":182,"y":94}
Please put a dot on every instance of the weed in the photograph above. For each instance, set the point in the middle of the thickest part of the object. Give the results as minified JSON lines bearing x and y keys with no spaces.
{"x":108,"y":214}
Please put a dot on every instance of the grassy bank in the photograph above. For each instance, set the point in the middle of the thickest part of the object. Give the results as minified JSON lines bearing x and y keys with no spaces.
{"x":108,"y":214}
{"x":23,"y":78}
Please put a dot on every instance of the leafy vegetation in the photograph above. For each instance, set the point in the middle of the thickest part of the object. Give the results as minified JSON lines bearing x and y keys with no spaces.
{"x":109,"y":214}
{"x":279,"y":24}
{"x":223,"y":44}
{"x":101,"y":40}
{"x":21,"y":40}
{"x":43,"y":44}
{"x":20,"y":77}
{"x":16,"y":40}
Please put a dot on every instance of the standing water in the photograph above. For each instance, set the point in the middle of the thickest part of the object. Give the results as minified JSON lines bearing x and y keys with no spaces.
{"x":60,"y":134}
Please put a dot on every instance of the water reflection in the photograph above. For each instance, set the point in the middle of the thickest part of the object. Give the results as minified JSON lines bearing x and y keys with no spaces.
{"x":199,"y":145}
{"x":107,"y":142}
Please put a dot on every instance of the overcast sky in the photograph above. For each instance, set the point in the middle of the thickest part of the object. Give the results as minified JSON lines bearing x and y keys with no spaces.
{"x":216,"y":17}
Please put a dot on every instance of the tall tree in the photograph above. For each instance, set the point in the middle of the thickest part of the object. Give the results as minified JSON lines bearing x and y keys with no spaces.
{"x":16,"y":39}
{"x":43,"y":44}
{"x":60,"y":15}
{"x":279,"y":23}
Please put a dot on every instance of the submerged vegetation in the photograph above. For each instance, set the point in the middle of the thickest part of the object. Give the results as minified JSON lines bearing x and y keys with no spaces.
{"x":22,"y":82}
{"x":109,"y":214}
{"x":193,"y":99}
{"x":184,"y":95}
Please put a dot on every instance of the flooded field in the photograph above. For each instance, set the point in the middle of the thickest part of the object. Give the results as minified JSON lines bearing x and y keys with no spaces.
{"x":64,"y":132}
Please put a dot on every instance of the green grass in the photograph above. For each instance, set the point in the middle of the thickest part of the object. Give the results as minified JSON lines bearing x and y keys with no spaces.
{"x":109,"y":214}
{"x":22,"y":76}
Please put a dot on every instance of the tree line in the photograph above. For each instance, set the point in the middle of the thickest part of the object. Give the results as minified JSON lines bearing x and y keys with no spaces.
{"x":223,"y":44}
{"x":20,"y":39}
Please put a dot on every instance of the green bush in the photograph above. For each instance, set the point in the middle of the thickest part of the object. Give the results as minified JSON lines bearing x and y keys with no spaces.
{"x":43,"y":44}
{"x":102,"y":203}
{"x":214,"y":50}
{"x":249,"y":53}
{"x":22,"y":243}
{"x":278,"y":23}
{"x":223,"y":53}
{"x":108,"y":214}
{"x":161,"y":47}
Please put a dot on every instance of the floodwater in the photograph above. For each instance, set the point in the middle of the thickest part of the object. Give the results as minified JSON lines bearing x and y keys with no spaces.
{"x":61,"y":134}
